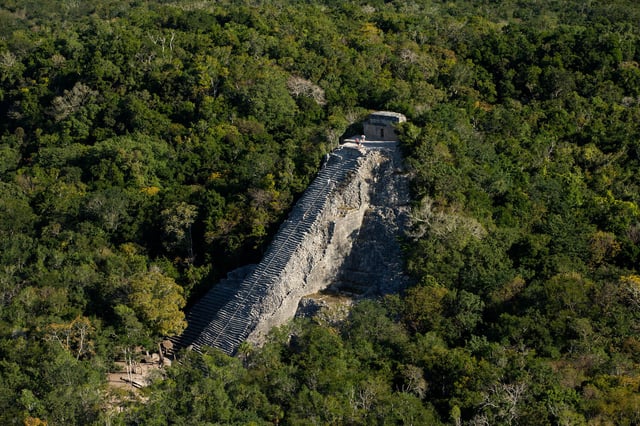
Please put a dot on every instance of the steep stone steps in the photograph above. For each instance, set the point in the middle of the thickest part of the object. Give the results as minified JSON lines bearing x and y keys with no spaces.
{"x":223,"y":318}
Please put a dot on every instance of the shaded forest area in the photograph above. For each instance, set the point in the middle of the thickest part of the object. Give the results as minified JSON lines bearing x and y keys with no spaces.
{"x":148,"y":147}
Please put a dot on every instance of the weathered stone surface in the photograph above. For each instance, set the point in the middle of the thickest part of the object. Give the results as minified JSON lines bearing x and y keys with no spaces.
{"x":374,"y":265}
{"x":342,"y":233}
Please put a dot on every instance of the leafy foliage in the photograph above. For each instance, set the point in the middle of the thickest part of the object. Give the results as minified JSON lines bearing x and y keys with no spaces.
{"x":147,"y":148}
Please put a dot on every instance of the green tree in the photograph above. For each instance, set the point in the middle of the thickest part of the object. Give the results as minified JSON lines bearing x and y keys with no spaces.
{"x":158,"y":302}
{"x":177,"y":227}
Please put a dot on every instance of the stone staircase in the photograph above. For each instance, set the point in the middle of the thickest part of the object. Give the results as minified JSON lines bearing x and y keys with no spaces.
{"x":229,"y":312}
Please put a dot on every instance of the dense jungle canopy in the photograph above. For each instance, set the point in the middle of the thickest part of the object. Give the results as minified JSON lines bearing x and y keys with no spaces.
{"x":149,"y":147}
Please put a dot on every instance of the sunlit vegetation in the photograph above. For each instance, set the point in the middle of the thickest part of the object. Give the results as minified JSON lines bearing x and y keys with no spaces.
{"x":149,"y":147}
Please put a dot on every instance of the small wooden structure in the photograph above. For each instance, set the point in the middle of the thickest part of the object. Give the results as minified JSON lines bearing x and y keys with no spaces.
{"x":380,"y":125}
